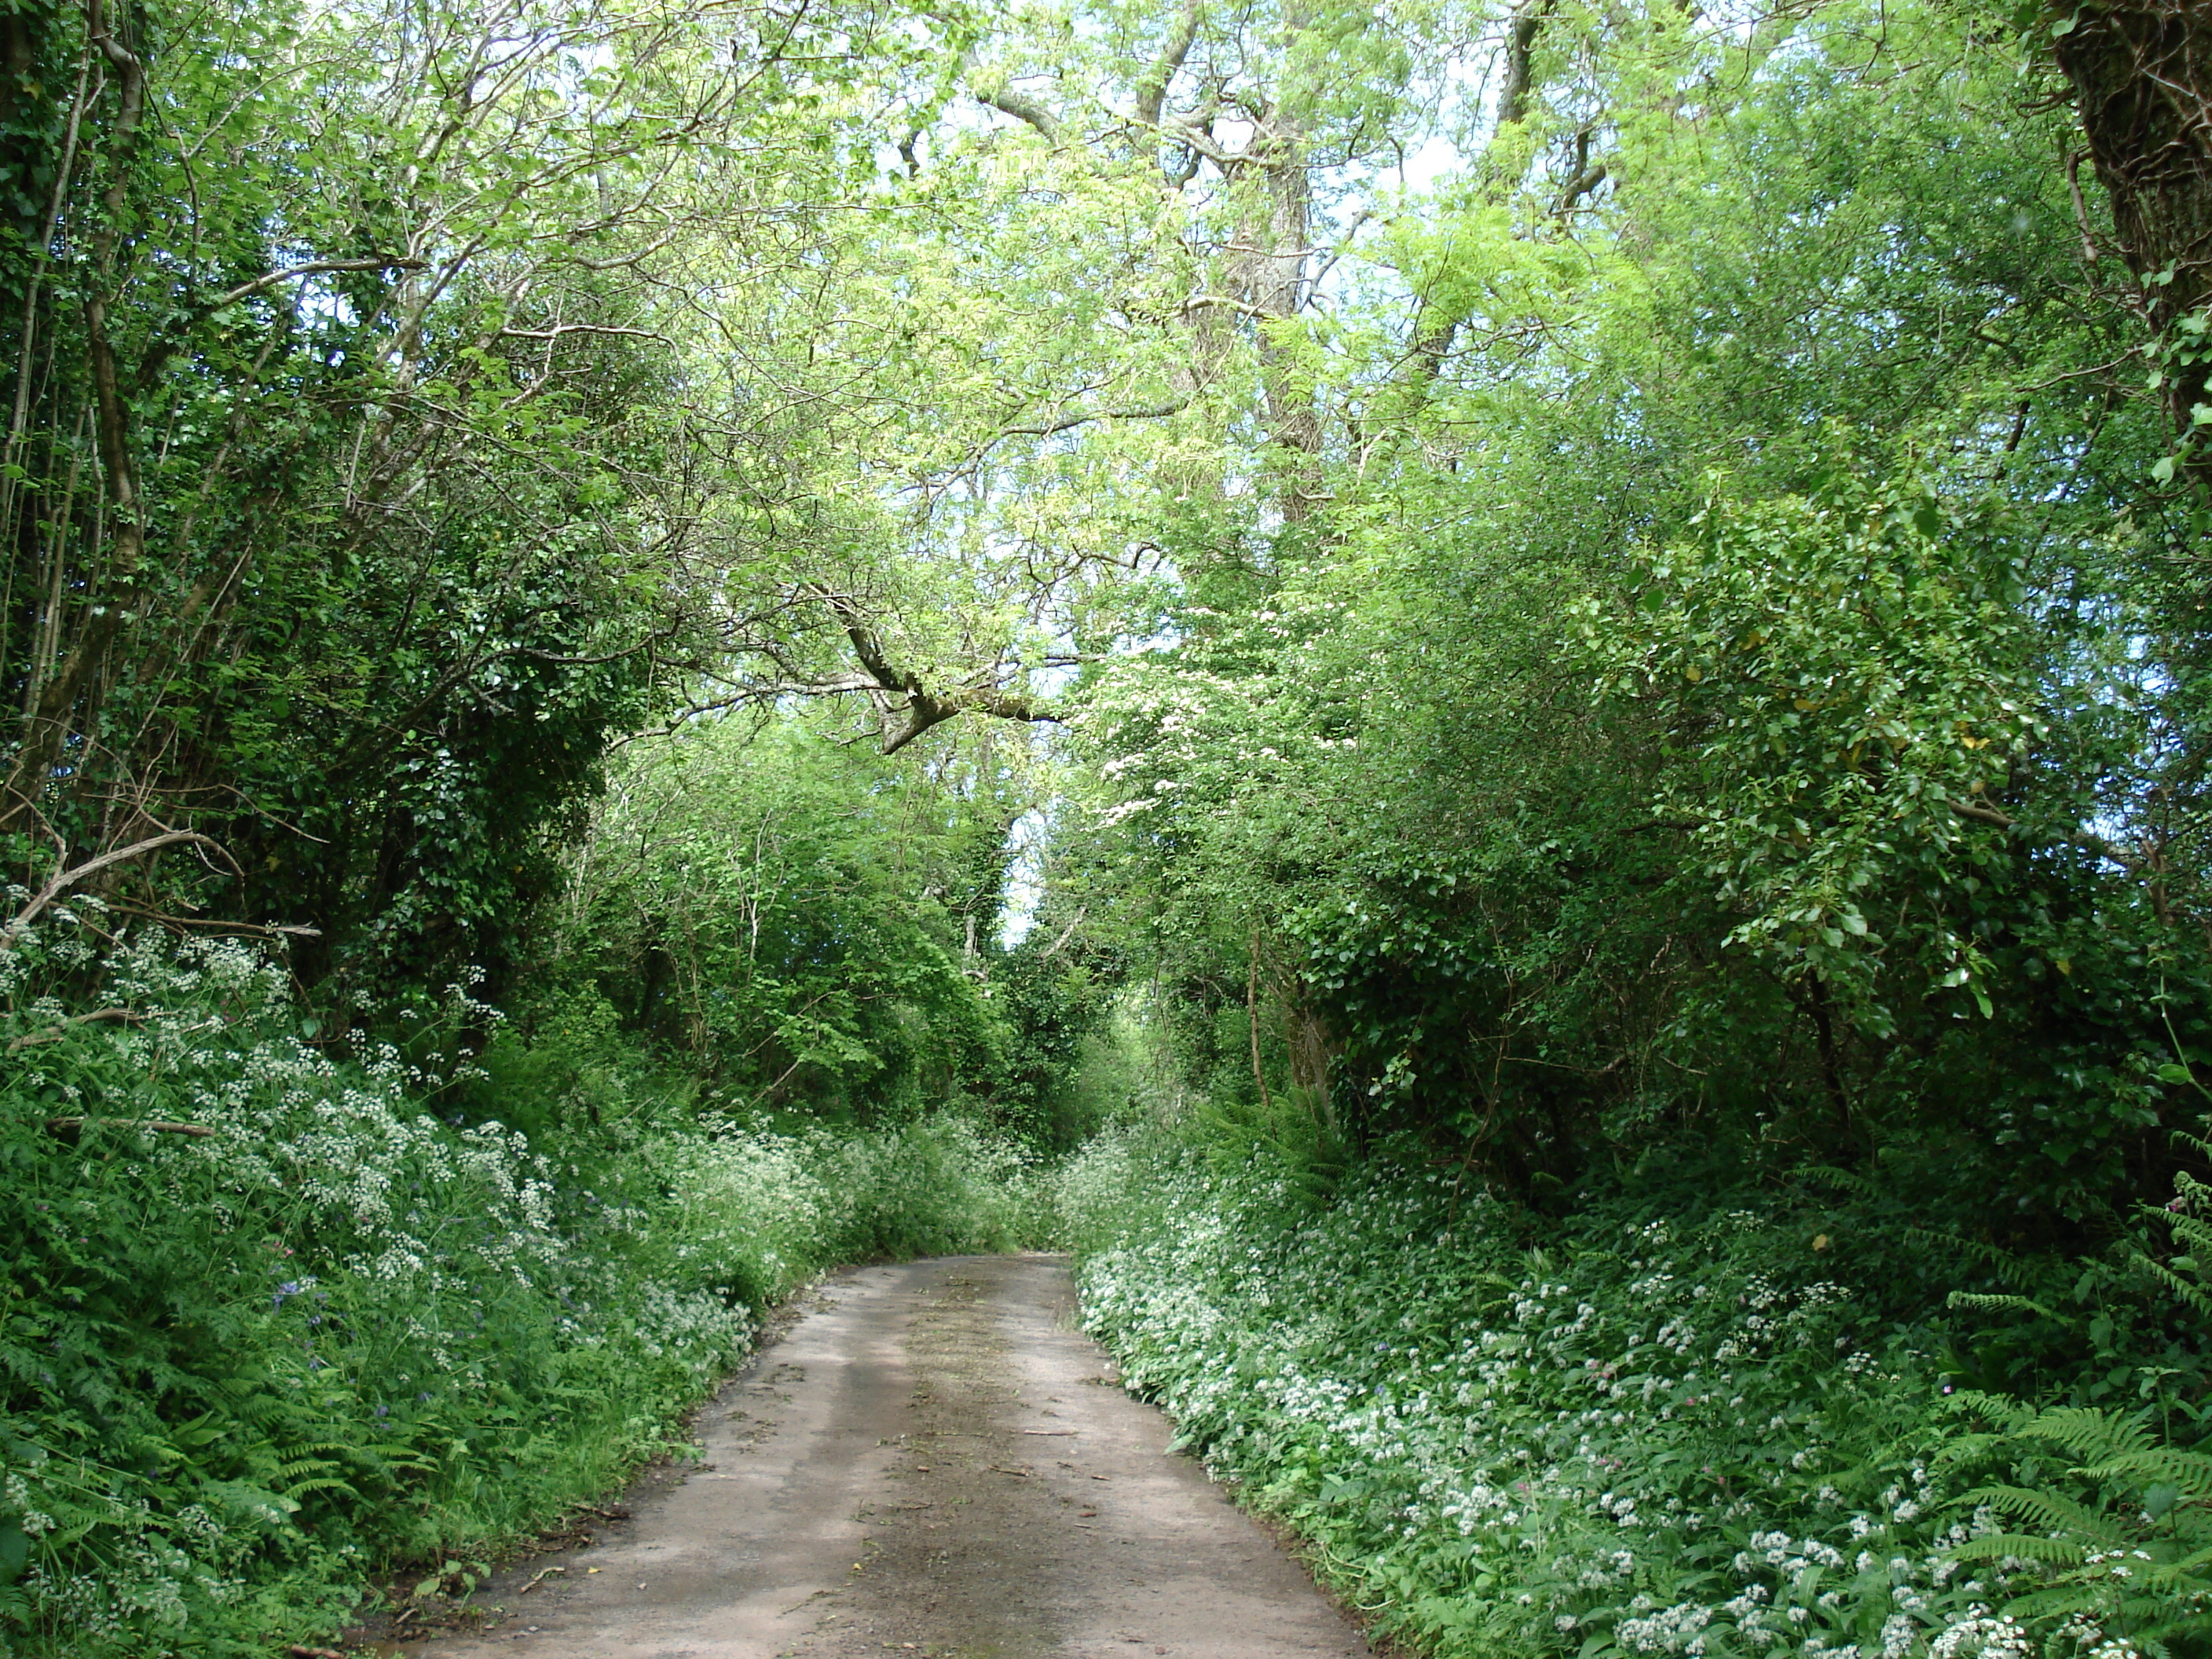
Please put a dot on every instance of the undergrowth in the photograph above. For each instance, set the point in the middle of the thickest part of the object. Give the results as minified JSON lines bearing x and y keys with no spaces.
{"x":1725,"y":1428}
{"x":271,"y":1326}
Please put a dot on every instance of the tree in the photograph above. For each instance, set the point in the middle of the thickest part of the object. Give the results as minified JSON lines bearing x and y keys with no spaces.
{"x":1771,"y":401}
{"x":2141,"y":72}
{"x":351,"y":454}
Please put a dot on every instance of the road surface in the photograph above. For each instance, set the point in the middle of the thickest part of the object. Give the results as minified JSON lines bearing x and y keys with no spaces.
{"x":930,"y":1460}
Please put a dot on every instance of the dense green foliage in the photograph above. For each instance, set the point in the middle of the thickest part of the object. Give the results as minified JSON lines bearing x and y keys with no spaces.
{"x":815,"y":930}
{"x":1535,"y":646}
{"x":249,"y":1367}
{"x":1682,"y":1421}
{"x":1710,"y":746}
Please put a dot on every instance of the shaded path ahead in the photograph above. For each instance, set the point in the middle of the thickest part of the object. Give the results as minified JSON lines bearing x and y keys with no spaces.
{"x":932,"y":1461}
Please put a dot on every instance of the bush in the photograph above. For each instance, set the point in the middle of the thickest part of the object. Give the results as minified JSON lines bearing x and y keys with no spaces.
{"x":937,"y":1187}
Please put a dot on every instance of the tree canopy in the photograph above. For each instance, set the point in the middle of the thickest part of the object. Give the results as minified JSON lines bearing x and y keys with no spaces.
{"x":1578,"y":581}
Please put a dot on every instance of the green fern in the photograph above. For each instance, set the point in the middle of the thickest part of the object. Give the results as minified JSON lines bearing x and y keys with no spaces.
{"x":2089,"y":1434}
{"x":2185,"y":1220}
{"x":2189,"y":1473}
{"x":2026,"y":1546}
{"x":2133,"y":1554}
{"x":2195,"y":1297}
{"x":2000,"y":1262}
{"x":2050,"y":1510}
{"x":1993,"y":1303}
{"x":2128,"y":1548}
{"x":1848,"y":1180}
{"x":1995,"y":1407}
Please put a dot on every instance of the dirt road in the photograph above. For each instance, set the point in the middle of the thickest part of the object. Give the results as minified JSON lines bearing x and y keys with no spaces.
{"x":932,"y":1461}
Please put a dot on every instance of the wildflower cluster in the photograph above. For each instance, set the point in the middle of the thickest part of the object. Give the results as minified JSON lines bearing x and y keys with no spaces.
{"x":330,"y":1327}
{"x":1654,"y":1438}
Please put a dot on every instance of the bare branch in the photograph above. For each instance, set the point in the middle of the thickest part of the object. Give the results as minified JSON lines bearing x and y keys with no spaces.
{"x":1067,"y":933}
{"x":584,"y":328}
{"x":155,"y":1126}
{"x":64,"y":880}
{"x":1069,"y":422}
{"x":313,"y":268}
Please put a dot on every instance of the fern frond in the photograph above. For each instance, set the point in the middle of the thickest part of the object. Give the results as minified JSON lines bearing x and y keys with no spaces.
{"x":300,"y":1488}
{"x":2090,"y":1434}
{"x":2027,"y":1546}
{"x":2002,"y":1263}
{"x":1998,"y":1408}
{"x":2160,"y":1466}
{"x":1963,"y":1448}
{"x":2061,"y":1599}
{"x":2169,"y":1578}
{"x":406,"y":1460}
{"x":2174,"y":1282}
{"x":1828,"y":1175}
{"x":1987,"y":1302}
{"x":2049,"y":1510}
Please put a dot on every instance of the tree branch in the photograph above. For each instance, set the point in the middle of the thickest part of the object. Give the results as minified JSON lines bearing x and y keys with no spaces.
{"x":1007,"y":102}
{"x":1436,"y":327}
{"x":313,"y":268}
{"x":1068,"y":422}
{"x":2081,"y":838}
{"x":1520,"y":57}
{"x":1152,"y":91}
{"x":64,"y":880}
{"x":903,"y":722}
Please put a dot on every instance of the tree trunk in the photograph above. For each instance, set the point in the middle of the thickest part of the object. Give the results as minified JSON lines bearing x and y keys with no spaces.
{"x":2141,"y":75}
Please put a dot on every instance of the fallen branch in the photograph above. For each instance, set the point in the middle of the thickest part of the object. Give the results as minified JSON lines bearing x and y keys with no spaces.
{"x":56,"y":1033}
{"x":66,"y":879}
{"x":258,"y":930}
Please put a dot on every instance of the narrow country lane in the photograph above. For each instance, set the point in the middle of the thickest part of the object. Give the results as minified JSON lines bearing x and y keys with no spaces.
{"x":932,"y":1461}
